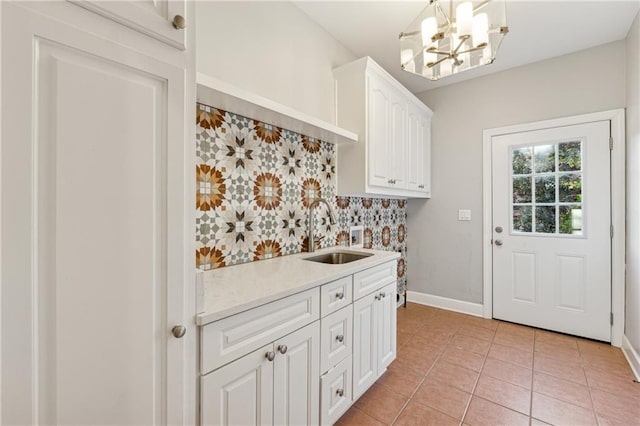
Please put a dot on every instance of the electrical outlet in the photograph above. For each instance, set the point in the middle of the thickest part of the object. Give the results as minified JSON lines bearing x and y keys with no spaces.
{"x":464,"y":215}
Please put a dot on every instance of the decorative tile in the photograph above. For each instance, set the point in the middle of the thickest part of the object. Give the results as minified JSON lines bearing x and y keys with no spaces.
{"x":254,"y":185}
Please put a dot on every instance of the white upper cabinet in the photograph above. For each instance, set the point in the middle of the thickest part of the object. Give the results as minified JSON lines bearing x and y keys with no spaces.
{"x":96,"y":259}
{"x":392,"y":156}
{"x":164,"y":20}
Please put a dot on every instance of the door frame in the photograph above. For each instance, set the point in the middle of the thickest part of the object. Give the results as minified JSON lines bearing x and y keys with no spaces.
{"x":618,"y":191}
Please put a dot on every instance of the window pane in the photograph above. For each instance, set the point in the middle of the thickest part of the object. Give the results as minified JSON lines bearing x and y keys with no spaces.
{"x":521,"y":161}
{"x":522,"y":189}
{"x":571,"y":220}
{"x":570,"y":188}
{"x":545,"y":158}
{"x":522,"y":218}
{"x":569,"y":156}
{"x":546,"y":219}
{"x":546,"y":189}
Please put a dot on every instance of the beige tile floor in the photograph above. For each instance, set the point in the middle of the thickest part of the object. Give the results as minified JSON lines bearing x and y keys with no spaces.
{"x":457,"y":369}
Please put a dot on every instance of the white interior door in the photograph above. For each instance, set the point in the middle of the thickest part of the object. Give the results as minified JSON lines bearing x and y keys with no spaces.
{"x":93,"y":241}
{"x":552,"y":229}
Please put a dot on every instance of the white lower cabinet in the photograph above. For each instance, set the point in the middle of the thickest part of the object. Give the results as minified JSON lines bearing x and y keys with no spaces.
{"x":276,"y":384}
{"x":374,"y":337}
{"x":336,"y":392}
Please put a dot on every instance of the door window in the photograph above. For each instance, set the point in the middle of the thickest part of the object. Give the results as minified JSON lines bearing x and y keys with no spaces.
{"x":546,"y":189}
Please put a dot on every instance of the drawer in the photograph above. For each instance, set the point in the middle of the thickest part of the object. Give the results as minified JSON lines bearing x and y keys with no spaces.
{"x":335,"y":392}
{"x":230,"y":338}
{"x":336,"y":337}
{"x":336,"y":295}
{"x":372,"y":279}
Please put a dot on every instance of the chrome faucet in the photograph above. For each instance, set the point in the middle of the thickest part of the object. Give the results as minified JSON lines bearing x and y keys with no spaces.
{"x":332,"y":220}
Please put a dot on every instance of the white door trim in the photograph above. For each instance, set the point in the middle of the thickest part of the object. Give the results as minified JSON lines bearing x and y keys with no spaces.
{"x":618,"y":189}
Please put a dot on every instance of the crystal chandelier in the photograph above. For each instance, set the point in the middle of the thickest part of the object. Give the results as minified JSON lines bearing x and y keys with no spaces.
{"x":451,"y":36}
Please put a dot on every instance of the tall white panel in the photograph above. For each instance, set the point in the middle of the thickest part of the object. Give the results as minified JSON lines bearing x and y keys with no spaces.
{"x":524,"y":276}
{"x":570,"y":282}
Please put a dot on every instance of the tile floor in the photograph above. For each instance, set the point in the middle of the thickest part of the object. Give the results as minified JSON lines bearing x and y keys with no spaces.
{"x":454,"y":369}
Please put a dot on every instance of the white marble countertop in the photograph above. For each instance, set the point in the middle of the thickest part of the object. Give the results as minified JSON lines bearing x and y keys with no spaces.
{"x":234,"y":289}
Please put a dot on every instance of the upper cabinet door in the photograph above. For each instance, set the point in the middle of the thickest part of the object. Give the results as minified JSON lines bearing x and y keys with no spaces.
{"x":419,"y":147}
{"x":378,"y":132}
{"x":94,"y":271}
{"x":397,"y":141}
{"x":154,"y":18}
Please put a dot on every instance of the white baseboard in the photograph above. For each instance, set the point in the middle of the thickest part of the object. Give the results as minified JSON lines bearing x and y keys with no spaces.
{"x":632,"y":356}
{"x":461,"y":306}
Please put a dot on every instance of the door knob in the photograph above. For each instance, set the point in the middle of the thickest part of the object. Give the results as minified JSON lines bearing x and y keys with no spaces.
{"x":498,"y":229}
{"x":282,"y":349}
{"x":179,"y":23}
{"x":178,"y":331}
{"x":270,"y":355}
{"x":340,"y":392}
{"x":498,"y":242}
{"x":340,"y":338}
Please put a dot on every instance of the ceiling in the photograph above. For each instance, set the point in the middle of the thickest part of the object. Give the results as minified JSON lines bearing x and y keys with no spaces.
{"x":538,"y":30}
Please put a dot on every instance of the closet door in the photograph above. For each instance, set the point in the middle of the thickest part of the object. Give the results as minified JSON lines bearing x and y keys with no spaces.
{"x":93,"y":228}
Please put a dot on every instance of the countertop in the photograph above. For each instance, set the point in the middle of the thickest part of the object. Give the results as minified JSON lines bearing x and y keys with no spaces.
{"x":234,"y":289}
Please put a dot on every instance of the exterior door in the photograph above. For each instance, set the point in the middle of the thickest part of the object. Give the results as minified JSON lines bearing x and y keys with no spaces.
{"x":552,"y":229}
{"x":296,"y":392}
{"x":93,"y":229}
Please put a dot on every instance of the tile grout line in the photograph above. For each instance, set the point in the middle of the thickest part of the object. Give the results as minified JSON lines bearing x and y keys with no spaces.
{"x":533,"y":372}
{"x":586,"y":378}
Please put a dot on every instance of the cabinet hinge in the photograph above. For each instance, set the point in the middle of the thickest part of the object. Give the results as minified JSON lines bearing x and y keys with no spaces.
{"x":611,"y":316}
{"x":610,"y":143}
{"x":611,"y":231}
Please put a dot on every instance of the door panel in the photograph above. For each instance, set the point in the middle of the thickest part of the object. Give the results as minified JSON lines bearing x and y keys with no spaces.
{"x":296,"y":392}
{"x":386,"y":329}
{"x":551,"y":204}
{"x":378,"y":132}
{"x":365,"y":341}
{"x":93,"y":198}
{"x":397,"y":140}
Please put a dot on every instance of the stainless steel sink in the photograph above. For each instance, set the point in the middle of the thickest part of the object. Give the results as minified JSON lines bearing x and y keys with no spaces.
{"x":338,"y":257}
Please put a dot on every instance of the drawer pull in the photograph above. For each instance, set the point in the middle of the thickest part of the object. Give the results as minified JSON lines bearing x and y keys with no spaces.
{"x":340,"y":392}
{"x":340,"y":295}
{"x":270,"y":355}
{"x":340,"y":338}
{"x":282,"y":349}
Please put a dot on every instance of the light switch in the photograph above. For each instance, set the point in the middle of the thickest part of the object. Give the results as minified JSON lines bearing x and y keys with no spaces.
{"x":464,"y":214}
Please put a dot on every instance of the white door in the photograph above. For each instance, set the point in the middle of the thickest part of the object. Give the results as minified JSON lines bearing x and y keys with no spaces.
{"x":365,"y":342}
{"x":93,"y":231}
{"x":240,"y":393}
{"x":386,"y":327}
{"x":551,"y":229}
{"x":378,"y":132}
{"x":296,"y":390}
{"x":153,"y":18}
{"x":397,"y":140}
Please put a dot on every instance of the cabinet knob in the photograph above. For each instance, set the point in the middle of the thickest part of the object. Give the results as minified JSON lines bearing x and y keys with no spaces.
{"x":383,"y":294}
{"x":377,"y":297}
{"x":421,"y":186}
{"x":282,"y":349}
{"x":178,"y":331}
{"x":392,"y":181}
{"x":179,"y":23}
{"x":340,"y":295}
{"x":340,"y":392}
{"x":340,"y":338}
{"x":270,"y":355}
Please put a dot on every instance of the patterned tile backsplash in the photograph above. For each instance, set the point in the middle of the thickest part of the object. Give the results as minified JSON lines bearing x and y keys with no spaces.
{"x":254,"y":184}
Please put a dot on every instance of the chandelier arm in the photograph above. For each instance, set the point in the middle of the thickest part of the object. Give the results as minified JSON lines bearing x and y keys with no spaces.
{"x":449,"y":23}
{"x":481,"y":6}
{"x":403,"y":35}
{"x":439,"y":52}
{"x":437,"y":62}
{"x":473,"y":49}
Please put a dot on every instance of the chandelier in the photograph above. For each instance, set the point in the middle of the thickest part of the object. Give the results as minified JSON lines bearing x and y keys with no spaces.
{"x":452,"y":36}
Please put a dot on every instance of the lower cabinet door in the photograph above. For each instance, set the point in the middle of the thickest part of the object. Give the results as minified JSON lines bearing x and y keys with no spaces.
{"x":386,"y":307}
{"x":240,"y":393}
{"x":365,"y":343}
{"x":335,"y":337}
{"x":336,"y":392}
{"x":297,"y":377}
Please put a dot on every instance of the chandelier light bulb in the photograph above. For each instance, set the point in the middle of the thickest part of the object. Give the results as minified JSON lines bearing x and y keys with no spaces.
{"x":429,"y":29}
{"x":480,"y":30}
{"x":464,"y":18}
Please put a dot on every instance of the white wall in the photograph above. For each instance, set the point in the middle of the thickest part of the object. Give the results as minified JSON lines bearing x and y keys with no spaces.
{"x":447,"y":254}
{"x":272,"y":49}
{"x":632,"y":311}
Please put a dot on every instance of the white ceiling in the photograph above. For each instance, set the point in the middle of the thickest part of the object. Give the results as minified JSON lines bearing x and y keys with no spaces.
{"x":538,"y":30}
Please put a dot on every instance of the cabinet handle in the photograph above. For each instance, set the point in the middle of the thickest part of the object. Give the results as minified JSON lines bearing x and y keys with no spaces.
{"x":270,"y":355}
{"x":178,"y":331}
{"x":383,"y":294}
{"x":421,"y":186}
{"x":340,"y":295}
{"x":377,"y":297}
{"x":340,"y":338}
{"x":340,"y":392}
{"x":179,"y":23}
{"x":282,"y":349}
{"x":392,"y":181}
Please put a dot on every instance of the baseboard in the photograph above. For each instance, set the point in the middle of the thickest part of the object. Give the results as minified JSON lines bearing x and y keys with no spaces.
{"x":461,"y":306}
{"x":632,"y":356}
